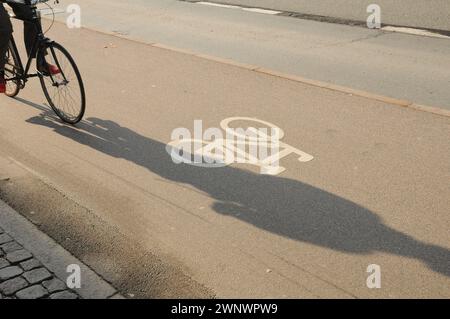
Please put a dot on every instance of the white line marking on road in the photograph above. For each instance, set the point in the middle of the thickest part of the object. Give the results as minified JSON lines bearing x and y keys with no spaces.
{"x":256,"y":10}
{"x":414,"y":32}
{"x":218,"y":5}
{"x":264,"y":11}
{"x":26,"y":168}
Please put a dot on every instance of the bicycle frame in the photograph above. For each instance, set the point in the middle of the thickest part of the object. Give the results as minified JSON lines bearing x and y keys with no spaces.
{"x":39,"y":42}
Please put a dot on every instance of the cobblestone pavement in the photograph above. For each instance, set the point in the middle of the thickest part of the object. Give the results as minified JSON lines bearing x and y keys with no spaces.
{"x":22,"y":276}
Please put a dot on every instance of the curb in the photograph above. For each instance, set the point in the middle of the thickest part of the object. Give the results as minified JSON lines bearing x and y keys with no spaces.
{"x":54,"y":257}
{"x":296,"y":78}
{"x":315,"y":83}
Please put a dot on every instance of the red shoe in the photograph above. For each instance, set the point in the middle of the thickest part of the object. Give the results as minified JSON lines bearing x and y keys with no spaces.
{"x":49,"y":69}
{"x":53,"y":69}
{"x":2,"y":86}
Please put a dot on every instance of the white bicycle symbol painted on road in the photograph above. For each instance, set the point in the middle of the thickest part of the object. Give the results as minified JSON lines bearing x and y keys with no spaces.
{"x":252,"y":145}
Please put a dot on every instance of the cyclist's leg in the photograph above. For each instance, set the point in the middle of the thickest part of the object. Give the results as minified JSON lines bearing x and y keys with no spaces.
{"x":23,"y":11}
{"x":30,"y":34}
{"x":5,"y":34}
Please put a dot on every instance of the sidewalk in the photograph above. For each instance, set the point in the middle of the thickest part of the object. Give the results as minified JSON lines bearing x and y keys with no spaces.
{"x":32,"y":265}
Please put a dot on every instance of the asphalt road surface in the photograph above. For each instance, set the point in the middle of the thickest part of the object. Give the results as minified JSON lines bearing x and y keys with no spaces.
{"x":376,"y":191}
{"x":432,"y":14}
{"x":413,"y":68}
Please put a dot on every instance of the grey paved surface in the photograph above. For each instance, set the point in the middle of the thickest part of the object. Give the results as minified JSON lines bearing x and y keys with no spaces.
{"x":24,"y":277}
{"x":416,"y":13}
{"x":397,"y":65}
{"x":33,"y":266}
{"x":376,"y":192}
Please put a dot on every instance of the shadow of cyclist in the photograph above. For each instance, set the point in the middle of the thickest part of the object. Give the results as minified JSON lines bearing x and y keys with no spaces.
{"x":279,"y":205}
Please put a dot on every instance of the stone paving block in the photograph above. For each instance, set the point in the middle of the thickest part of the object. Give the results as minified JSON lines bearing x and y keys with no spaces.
{"x":33,"y":292}
{"x":11,"y":286}
{"x":37,"y":275}
{"x":3,"y":263}
{"x":10,"y":272}
{"x":5,"y":238}
{"x":64,"y":295}
{"x":23,"y":276}
{"x":10,"y":247}
{"x":18,"y":256}
{"x":30,"y":264}
{"x":54,"y":285}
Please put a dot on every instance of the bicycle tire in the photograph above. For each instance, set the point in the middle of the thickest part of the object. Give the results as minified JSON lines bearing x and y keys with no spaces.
{"x":52,"y":85}
{"x":10,"y":71}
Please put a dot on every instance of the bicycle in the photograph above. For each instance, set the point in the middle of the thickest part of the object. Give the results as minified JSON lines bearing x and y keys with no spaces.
{"x":63,"y":91}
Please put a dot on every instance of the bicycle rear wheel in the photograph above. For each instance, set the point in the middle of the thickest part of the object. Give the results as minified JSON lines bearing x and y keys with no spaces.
{"x":64,"y":91}
{"x":11,"y":71}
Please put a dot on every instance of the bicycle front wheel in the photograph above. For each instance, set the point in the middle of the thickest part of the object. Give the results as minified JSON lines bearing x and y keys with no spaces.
{"x":64,"y":91}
